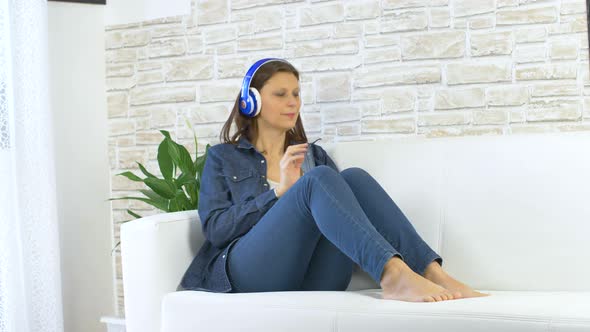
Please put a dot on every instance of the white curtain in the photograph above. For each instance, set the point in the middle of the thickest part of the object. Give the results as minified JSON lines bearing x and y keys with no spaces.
{"x":30,"y":279}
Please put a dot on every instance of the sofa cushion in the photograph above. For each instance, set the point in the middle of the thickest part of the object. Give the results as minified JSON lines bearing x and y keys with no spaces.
{"x":364,"y":310}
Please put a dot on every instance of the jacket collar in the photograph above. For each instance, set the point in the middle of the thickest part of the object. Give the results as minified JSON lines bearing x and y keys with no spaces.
{"x":244,"y":143}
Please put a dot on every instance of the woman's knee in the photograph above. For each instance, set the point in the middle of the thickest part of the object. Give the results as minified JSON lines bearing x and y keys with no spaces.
{"x":324,"y":171}
{"x":353,"y":172}
{"x":321,"y":170}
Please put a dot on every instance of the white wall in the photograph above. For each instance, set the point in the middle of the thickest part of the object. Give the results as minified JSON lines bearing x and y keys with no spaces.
{"x":129,"y":11}
{"x":78,"y":101}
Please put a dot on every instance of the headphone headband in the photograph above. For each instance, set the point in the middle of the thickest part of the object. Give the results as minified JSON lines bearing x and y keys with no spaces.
{"x":247,"y":106}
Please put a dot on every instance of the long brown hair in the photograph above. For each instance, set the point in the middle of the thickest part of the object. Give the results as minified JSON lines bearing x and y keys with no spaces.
{"x":246,"y":125}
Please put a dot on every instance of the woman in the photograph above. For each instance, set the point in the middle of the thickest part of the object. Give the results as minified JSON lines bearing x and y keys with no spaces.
{"x":270,"y":227}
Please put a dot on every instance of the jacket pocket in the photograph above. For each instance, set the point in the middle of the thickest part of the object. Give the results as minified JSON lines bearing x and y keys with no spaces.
{"x":242,"y":183}
{"x":238,"y":175}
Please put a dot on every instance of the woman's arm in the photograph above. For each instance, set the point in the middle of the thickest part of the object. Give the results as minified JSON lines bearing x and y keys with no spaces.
{"x":221,"y":219}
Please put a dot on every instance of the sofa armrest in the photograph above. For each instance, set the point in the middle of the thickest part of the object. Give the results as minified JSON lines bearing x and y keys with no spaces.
{"x":155,"y":252}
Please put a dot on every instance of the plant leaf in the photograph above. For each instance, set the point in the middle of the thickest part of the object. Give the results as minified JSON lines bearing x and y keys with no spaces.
{"x":165,"y":133}
{"x":114,"y":199}
{"x":131,"y":176}
{"x":116,"y":245}
{"x":186,"y":162}
{"x":161,"y":204}
{"x":193,"y":194}
{"x":185,"y":178}
{"x":144,"y":171}
{"x":133,"y":214}
{"x":182,"y":201}
{"x":166,"y":166}
{"x":173,"y":151}
{"x":152,"y":195}
{"x":164,"y":188}
{"x":194,"y":136}
{"x":173,"y":206}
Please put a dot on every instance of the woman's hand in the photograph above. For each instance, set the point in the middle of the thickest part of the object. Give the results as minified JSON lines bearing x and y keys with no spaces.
{"x":290,"y":166}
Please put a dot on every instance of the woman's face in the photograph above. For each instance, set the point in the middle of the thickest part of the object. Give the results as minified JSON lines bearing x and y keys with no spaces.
{"x":280,"y":96}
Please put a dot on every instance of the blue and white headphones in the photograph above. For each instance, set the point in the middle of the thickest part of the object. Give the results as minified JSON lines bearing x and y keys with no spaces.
{"x":250,"y":102}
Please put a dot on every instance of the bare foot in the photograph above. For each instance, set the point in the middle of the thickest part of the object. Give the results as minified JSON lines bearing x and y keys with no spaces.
{"x":399,"y":282}
{"x":437,"y":275}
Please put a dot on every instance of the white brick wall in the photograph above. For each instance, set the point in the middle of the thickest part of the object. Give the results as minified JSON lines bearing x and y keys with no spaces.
{"x":369,"y":68}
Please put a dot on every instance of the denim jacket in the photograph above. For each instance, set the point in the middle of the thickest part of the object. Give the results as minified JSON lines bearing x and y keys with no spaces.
{"x":233,"y":196}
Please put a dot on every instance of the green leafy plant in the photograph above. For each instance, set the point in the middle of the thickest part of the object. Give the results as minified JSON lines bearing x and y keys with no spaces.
{"x":178,"y":190}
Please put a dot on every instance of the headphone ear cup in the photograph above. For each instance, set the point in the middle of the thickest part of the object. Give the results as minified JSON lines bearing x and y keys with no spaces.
{"x":256,"y":101}
{"x":248,"y":105}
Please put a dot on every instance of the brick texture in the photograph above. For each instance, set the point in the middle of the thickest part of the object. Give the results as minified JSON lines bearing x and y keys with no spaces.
{"x":370,"y":69}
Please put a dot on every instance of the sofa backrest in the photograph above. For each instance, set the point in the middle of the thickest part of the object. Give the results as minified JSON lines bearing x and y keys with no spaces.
{"x":505,"y":212}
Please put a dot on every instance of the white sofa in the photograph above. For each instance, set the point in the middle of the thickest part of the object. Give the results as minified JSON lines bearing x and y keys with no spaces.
{"x":510,"y":215}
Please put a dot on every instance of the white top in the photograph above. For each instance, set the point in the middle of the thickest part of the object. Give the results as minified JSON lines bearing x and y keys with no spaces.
{"x":272,"y":183}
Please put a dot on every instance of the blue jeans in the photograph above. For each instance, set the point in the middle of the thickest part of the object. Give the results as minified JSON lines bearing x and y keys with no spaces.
{"x":311,"y":237}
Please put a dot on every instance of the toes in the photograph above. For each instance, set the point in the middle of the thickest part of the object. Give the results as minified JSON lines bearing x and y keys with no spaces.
{"x":457,"y":295}
{"x":445,"y":296}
